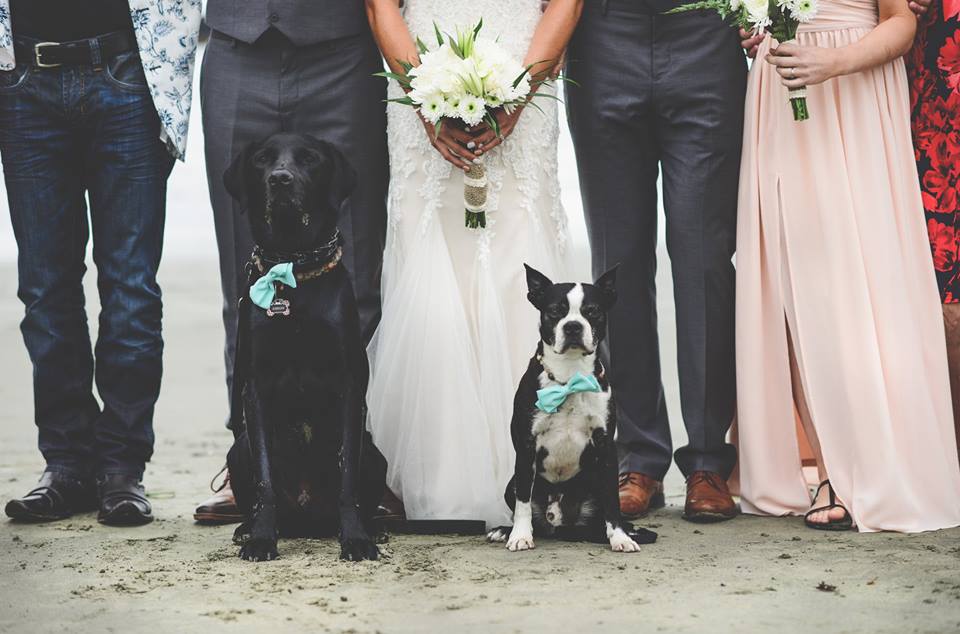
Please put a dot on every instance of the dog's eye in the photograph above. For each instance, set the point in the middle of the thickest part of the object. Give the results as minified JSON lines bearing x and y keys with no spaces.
{"x":261,"y":158}
{"x":590,"y":310}
{"x":309,"y":158}
{"x":557,"y":311}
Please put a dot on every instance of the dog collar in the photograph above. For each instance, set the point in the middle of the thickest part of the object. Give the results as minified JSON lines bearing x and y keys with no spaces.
{"x":306,"y":265}
{"x":601,"y":375}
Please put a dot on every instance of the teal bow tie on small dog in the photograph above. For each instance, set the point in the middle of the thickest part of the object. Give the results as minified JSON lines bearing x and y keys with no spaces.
{"x":549,"y":399}
{"x":263,"y":290}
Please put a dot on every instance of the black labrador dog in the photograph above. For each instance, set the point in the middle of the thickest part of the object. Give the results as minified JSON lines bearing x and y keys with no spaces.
{"x":303,"y":465}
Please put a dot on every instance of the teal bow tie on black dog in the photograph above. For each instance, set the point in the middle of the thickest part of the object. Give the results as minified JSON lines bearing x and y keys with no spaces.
{"x":549,"y":399}
{"x":264,"y":291}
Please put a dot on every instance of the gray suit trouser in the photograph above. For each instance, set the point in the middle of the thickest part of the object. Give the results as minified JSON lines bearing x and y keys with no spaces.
{"x":663,"y":91}
{"x":250,"y":91}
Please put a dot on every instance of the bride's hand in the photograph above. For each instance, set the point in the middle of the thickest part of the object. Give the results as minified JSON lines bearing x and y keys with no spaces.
{"x":451,"y":143}
{"x":800,"y":66}
{"x":488,"y":139}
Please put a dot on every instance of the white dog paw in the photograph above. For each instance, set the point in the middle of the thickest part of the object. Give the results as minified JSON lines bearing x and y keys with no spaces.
{"x":520,"y":541}
{"x":497,"y":535}
{"x":620,"y":542}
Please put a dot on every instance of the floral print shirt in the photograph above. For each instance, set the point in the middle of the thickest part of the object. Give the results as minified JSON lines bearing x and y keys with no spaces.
{"x":167,"y":32}
{"x":934,"y":67}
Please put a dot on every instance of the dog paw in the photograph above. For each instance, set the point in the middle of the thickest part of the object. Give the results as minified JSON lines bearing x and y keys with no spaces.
{"x":620,"y":542}
{"x":359,"y":549}
{"x":259,"y":549}
{"x":498,"y":535}
{"x":520,"y":541}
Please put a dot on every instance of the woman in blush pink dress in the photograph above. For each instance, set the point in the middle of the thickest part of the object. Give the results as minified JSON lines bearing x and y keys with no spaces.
{"x":837,"y":305}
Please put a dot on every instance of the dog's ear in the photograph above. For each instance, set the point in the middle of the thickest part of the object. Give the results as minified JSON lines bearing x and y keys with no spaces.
{"x":537,"y":285}
{"x":234,"y":178}
{"x":607,"y":283}
{"x":343,"y":178}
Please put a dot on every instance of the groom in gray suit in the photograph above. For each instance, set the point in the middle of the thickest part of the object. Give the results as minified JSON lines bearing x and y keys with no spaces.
{"x":303,"y":66}
{"x":664,"y":93}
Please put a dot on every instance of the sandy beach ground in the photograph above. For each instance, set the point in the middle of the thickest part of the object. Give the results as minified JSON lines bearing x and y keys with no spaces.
{"x":748,"y":575}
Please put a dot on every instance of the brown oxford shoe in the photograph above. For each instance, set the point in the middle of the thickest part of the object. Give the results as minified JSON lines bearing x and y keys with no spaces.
{"x":708,"y":498}
{"x":221,"y":507}
{"x":639,"y":494}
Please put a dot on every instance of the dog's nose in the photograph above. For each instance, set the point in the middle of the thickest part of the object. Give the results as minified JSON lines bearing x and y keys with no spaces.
{"x":551,"y":516}
{"x":573,"y":329}
{"x":280,"y":177}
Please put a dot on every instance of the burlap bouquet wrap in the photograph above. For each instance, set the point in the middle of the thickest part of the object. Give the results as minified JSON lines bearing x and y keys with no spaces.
{"x":475,"y":195}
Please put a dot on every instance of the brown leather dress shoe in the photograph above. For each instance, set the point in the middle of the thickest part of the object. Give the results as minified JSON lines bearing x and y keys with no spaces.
{"x":221,"y":508}
{"x":708,"y":498}
{"x":639,"y":494}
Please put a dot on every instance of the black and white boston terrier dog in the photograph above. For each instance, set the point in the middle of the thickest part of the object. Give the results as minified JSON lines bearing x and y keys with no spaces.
{"x":302,"y":464}
{"x":564,"y":423}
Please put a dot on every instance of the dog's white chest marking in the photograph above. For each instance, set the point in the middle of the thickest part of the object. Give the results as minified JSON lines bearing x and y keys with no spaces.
{"x":567,"y":432}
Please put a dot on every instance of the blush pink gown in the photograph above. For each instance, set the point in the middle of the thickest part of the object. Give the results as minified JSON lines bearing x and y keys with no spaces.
{"x":832,"y":243}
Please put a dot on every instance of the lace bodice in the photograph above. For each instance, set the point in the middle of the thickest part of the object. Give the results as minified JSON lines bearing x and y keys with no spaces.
{"x":513,"y":21}
{"x":530,"y":153}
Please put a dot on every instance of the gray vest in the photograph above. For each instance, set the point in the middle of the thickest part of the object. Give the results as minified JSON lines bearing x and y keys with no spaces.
{"x":303,"y":21}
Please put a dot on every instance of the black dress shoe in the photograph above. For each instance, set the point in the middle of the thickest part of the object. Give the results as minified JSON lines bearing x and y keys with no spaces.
{"x":57,"y":496}
{"x":123,"y":501}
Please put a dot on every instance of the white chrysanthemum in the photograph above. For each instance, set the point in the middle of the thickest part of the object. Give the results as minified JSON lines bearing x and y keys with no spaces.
{"x":735,"y":5}
{"x":758,"y":12}
{"x":433,"y":108}
{"x":805,"y":11}
{"x":471,"y":109}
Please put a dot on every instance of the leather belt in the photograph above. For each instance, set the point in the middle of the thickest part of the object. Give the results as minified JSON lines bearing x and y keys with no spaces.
{"x":90,"y":52}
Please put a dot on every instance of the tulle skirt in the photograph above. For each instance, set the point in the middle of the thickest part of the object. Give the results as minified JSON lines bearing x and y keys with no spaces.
{"x":457,"y":330}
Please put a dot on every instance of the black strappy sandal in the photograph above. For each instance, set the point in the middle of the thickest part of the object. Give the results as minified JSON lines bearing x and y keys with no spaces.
{"x":845,"y":523}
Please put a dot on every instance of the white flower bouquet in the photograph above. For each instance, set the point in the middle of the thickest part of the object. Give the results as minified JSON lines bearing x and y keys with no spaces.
{"x":780,"y":18}
{"x":466,"y":78}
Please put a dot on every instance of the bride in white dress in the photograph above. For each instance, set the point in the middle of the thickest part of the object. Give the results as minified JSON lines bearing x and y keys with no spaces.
{"x":457,"y":331}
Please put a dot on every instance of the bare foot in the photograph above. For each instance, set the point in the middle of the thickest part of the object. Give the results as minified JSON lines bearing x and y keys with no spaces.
{"x":825,"y":517}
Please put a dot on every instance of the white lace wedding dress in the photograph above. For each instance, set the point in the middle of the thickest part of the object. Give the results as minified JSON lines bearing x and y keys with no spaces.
{"x":457,"y":331}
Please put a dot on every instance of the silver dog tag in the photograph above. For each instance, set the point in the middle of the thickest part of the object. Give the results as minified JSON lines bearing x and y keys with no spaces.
{"x":279,"y":307}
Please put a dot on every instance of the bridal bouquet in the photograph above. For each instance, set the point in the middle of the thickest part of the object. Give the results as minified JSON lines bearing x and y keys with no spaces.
{"x":465,"y":78}
{"x":780,"y":18}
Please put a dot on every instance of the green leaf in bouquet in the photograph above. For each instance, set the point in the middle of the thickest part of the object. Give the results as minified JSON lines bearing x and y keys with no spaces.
{"x":545,"y":95}
{"x":491,"y":121}
{"x":403,"y":80}
{"x":406,"y":66}
{"x":476,"y":29}
{"x":407,"y":101}
{"x":436,"y":30}
{"x":534,"y":105}
{"x":720,"y":6}
{"x":437,"y":127}
{"x":421,"y":47}
{"x":526,"y":71}
{"x":456,"y":47}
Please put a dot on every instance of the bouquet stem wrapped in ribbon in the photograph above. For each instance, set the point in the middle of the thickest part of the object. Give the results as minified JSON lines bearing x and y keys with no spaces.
{"x":475,"y":195}
{"x":466,"y":79}
{"x":781,"y":18}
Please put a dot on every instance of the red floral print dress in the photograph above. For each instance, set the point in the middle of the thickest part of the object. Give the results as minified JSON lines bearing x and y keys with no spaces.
{"x":934,"y":67}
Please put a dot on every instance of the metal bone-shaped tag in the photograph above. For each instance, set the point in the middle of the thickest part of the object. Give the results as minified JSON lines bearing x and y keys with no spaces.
{"x":279,"y":307}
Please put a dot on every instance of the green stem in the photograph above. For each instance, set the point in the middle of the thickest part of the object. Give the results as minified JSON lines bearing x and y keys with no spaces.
{"x":800,"y":112}
{"x":476,"y":220}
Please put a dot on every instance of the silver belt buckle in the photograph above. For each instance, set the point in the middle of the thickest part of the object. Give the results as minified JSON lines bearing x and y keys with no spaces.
{"x":36,"y":54}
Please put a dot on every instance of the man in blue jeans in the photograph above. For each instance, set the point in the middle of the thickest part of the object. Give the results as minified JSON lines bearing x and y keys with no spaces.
{"x":94,"y":104}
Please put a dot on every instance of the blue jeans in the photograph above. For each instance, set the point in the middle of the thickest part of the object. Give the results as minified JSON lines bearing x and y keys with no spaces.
{"x":66,"y":134}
